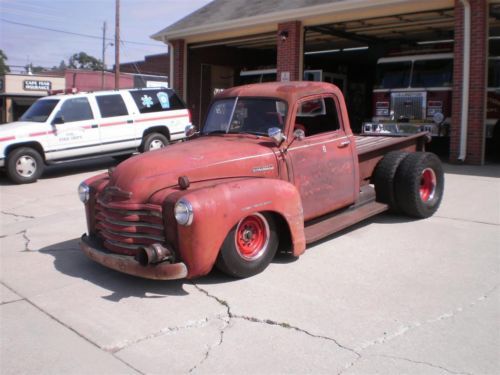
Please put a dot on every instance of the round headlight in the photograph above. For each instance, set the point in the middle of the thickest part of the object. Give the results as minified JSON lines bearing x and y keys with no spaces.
{"x":183,"y":212}
{"x":84,"y":192}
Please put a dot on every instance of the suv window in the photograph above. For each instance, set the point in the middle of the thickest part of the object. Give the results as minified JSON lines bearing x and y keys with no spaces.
{"x":317,"y":116}
{"x":76,"y":109}
{"x":40,"y":110}
{"x":111,"y":105}
{"x":156,"y":100}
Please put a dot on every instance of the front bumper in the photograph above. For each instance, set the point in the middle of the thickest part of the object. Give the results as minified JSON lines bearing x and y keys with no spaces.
{"x":127,"y":264}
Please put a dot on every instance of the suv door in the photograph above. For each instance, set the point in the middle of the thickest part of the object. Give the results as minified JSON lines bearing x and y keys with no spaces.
{"x":116,"y":126}
{"x":322,"y":162}
{"x":75,"y":130}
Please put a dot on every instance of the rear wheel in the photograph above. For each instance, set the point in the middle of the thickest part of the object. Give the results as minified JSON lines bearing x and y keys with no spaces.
{"x":154,"y":141}
{"x":249,"y":247}
{"x":419,"y":184}
{"x":384,"y":176}
{"x":24,"y":165}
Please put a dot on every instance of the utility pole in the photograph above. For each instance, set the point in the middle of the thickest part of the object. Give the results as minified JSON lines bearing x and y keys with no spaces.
{"x":117,"y":45}
{"x":103,"y":54}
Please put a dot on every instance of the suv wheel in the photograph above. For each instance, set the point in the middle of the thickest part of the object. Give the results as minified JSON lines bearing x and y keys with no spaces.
{"x":154,"y":141}
{"x":24,"y":165}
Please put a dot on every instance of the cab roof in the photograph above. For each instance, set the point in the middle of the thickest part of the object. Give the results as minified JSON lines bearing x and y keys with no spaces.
{"x":287,"y":91}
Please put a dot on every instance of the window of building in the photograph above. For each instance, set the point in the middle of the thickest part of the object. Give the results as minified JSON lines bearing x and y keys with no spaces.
{"x":76,"y":109}
{"x":111,"y":105}
{"x":156,"y":100}
{"x":317,"y":116}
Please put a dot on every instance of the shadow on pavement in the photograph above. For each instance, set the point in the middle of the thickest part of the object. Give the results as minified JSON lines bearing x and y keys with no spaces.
{"x":69,"y":260}
{"x":487,"y":170}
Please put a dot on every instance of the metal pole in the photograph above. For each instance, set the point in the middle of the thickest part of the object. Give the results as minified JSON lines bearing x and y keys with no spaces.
{"x":117,"y":45}
{"x":103,"y":54}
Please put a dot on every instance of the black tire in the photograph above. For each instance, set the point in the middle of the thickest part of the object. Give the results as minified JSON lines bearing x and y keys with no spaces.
{"x":24,"y":165}
{"x":419,"y":184}
{"x":154,"y":141}
{"x":249,"y":247}
{"x":384,"y":176}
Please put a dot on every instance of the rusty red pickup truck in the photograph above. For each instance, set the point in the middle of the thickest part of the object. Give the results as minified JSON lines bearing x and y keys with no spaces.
{"x":274,"y":168}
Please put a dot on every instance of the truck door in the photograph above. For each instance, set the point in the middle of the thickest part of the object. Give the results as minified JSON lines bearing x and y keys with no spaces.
{"x":322,"y":162}
{"x":75,"y":131}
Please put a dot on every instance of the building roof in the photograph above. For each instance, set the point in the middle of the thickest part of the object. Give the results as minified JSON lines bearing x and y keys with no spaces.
{"x":223,"y":11}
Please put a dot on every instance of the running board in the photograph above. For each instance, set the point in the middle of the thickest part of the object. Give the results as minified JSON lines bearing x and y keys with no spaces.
{"x":320,"y":228}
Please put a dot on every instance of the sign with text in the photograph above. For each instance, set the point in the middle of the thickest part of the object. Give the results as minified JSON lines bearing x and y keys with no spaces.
{"x":34,"y":85}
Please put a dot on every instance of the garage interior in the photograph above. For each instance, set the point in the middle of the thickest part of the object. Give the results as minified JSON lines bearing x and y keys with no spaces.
{"x":344,"y":53}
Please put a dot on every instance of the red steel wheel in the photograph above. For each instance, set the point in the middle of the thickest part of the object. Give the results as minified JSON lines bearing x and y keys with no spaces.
{"x":252,"y":236}
{"x":427,"y":184}
{"x":249,"y":247}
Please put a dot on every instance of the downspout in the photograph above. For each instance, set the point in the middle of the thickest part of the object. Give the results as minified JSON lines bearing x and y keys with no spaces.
{"x":171,"y":57}
{"x":465,"y":82}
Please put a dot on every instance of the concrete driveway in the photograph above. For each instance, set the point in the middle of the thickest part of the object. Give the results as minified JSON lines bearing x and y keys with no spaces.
{"x":389,"y":296}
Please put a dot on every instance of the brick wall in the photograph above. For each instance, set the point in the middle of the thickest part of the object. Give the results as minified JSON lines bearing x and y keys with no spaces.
{"x":288,"y":56}
{"x":477,"y":86}
{"x":177,"y":81}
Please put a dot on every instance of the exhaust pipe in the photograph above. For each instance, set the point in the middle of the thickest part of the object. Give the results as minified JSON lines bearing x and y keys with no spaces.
{"x":154,"y":253}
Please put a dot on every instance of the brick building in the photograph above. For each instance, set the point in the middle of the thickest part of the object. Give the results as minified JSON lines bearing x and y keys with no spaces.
{"x":226,"y":42}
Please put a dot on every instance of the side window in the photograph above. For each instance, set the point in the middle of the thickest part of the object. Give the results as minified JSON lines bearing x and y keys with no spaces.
{"x":156,"y":100}
{"x":111,"y":105}
{"x":76,"y":109}
{"x":317,"y":116}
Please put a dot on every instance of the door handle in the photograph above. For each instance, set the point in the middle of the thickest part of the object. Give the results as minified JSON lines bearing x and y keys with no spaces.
{"x":344,"y":144}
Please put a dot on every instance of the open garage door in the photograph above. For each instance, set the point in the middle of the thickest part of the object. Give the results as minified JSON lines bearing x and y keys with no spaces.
{"x":215,"y":66}
{"x":352,"y":52}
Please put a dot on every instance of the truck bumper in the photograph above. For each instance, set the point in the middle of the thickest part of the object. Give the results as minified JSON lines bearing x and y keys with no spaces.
{"x":127,"y":264}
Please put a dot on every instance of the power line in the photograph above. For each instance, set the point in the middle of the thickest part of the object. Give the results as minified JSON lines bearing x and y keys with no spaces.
{"x":76,"y":34}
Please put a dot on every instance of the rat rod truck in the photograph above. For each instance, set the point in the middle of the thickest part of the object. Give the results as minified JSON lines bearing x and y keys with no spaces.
{"x":275,"y":167}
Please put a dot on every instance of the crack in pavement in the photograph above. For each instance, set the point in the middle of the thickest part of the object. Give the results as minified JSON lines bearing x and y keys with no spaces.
{"x":466,"y":220}
{"x":402,"y":330}
{"x":26,"y":240}
{"x":425,"y":363}
{"x":284,"y":325}
{"x":17,"y":215}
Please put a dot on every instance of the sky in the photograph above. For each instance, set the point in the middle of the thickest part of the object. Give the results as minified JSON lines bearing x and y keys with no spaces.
{"x":139,"y":19}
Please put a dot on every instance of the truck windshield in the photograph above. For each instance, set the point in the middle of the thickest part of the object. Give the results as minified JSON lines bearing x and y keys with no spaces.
{"x":432,"y":73}
{"x":245,"y":115}
{"x":40,"y":110}
{"x":393,"y":75}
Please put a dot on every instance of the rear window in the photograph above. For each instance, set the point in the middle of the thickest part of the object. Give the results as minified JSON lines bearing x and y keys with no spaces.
{"x":156,"y":100}
{"x":111,"y":105}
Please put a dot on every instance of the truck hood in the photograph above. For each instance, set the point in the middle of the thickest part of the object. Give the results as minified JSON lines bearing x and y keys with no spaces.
{"x":206,"y":158}
{"x":21,"y":127}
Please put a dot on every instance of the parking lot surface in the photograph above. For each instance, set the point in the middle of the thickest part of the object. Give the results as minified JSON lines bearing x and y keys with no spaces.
{"x":389,"y":296}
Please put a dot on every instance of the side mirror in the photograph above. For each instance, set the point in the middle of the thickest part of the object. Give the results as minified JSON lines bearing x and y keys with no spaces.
{"x":59,"y":119}
{"x":190,"y":131}
{"x":299,"y":134}
{"x":277,"y":135}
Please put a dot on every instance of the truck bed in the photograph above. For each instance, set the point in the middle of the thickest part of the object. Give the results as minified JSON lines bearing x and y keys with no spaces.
{"x":371,"y":148}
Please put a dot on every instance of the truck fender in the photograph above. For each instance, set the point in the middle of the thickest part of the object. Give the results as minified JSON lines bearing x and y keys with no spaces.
{"x":217,"y":209}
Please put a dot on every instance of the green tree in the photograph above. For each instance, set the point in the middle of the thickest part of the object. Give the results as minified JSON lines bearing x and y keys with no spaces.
{"x":4,"y":68}
{"x":83,"y":61}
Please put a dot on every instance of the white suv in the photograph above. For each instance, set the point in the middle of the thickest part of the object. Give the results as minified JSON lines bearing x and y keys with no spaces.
{"x":70,"y":127}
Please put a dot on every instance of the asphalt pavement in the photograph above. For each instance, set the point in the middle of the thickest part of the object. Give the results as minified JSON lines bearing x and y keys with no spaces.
{"x":391,"y":295}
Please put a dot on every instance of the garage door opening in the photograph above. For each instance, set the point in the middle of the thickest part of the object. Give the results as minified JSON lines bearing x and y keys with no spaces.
{"x":216,"y":66}
{"x":371,"y":59}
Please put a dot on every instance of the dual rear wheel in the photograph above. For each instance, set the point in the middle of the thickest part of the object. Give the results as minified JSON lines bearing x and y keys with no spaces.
{"x":410,"y":183}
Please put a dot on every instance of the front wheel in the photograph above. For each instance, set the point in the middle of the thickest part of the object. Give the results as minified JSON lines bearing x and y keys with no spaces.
{"x":154,"y":141}
{"x":249,"y":247}
{"x":24,"y":165}
{"x":419,"y":184}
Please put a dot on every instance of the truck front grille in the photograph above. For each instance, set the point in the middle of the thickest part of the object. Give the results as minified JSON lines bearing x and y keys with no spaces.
{"x":125,"y":231}
{"x":410,"y":105}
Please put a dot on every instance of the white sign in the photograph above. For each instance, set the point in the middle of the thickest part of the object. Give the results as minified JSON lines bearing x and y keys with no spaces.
{"x":31,"y":84}
{"x":156,"y":84}
{"x":285,"y":76}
